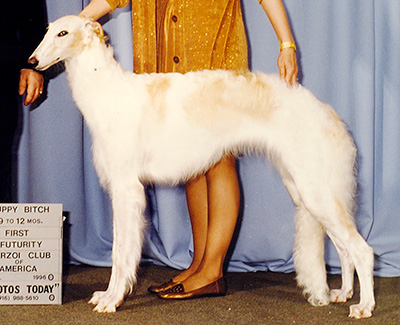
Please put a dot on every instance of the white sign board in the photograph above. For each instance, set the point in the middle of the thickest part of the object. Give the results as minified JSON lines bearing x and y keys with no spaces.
{"x":30,"y":254}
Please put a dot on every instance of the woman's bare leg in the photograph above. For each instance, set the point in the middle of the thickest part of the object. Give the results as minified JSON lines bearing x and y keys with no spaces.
{"x":223,"y":208}
{"x":197,"y":201}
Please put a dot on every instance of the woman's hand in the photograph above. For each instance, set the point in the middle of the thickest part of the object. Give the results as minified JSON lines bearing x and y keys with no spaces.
{"x":30,"y":82}
{"x":95,"y":9}
{"x":287,"y":64}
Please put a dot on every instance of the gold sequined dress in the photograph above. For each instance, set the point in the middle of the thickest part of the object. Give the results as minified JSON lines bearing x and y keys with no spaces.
{"x":187,"y":35}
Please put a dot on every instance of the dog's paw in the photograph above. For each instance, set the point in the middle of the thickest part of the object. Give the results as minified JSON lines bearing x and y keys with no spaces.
{"x":339,"y":295}
{"x":105,"y":302}
{"x":96,"y":297}
{"x":101,"y":308}
{"x":361,"y":310}
{"x":319,"y":299}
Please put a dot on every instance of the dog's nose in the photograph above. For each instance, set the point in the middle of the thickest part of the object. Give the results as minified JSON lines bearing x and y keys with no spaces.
{"x":33,"y":61}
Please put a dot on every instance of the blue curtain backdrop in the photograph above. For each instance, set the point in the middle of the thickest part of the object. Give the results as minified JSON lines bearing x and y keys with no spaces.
{"x":349,"y":53}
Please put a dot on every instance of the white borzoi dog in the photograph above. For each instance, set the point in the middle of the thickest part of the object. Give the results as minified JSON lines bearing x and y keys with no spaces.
{"x":167,"y":128}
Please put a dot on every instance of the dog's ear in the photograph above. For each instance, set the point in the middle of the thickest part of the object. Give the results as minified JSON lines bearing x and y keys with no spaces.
{"x":95,"y":29}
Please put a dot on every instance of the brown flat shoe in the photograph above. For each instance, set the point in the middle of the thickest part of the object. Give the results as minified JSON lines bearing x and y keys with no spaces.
{"x":217,"y":288}
{"x":162,"y":287}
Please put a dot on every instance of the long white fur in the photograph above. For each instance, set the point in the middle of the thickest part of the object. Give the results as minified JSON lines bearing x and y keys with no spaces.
{"x":167,"y":128}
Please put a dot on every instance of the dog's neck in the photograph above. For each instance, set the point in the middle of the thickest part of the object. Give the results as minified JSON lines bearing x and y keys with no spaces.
{"x":94,"y":58}
{"x":92,"y":74}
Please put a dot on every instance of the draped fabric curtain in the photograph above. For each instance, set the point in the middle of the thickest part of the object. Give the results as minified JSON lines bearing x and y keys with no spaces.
{"x":349,"y":57}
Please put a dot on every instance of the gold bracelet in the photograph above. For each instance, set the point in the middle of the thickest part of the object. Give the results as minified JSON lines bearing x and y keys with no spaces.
{"x":260,"y":1}
{"x":286,"y":45}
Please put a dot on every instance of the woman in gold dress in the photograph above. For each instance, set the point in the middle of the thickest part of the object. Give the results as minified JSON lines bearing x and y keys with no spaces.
{"x":183,"y":36}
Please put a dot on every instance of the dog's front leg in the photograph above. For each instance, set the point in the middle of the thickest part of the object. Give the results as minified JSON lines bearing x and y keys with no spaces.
{"x":128,"y":203}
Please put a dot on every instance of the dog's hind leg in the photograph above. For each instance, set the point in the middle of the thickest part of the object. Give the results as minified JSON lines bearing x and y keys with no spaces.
{"x":342,"y":230}
{"x":362,"y":256}
{"x":308,"y":252}
{"x":309,"y":258}
{"x":346,"y":291}
{"x":128,"y":205}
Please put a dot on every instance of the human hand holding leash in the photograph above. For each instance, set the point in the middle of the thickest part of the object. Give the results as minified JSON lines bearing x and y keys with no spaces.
{"x":30,"y":82}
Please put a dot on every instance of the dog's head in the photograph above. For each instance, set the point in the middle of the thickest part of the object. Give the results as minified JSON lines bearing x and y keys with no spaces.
{"x":65,"y":38}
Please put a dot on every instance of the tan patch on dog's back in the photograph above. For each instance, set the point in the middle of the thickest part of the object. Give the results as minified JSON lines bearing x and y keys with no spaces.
{"x":157,"y":91}
{"x":230,"y":96}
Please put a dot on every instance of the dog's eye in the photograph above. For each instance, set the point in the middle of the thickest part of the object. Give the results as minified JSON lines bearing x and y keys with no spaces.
{"x":62,"y":33}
